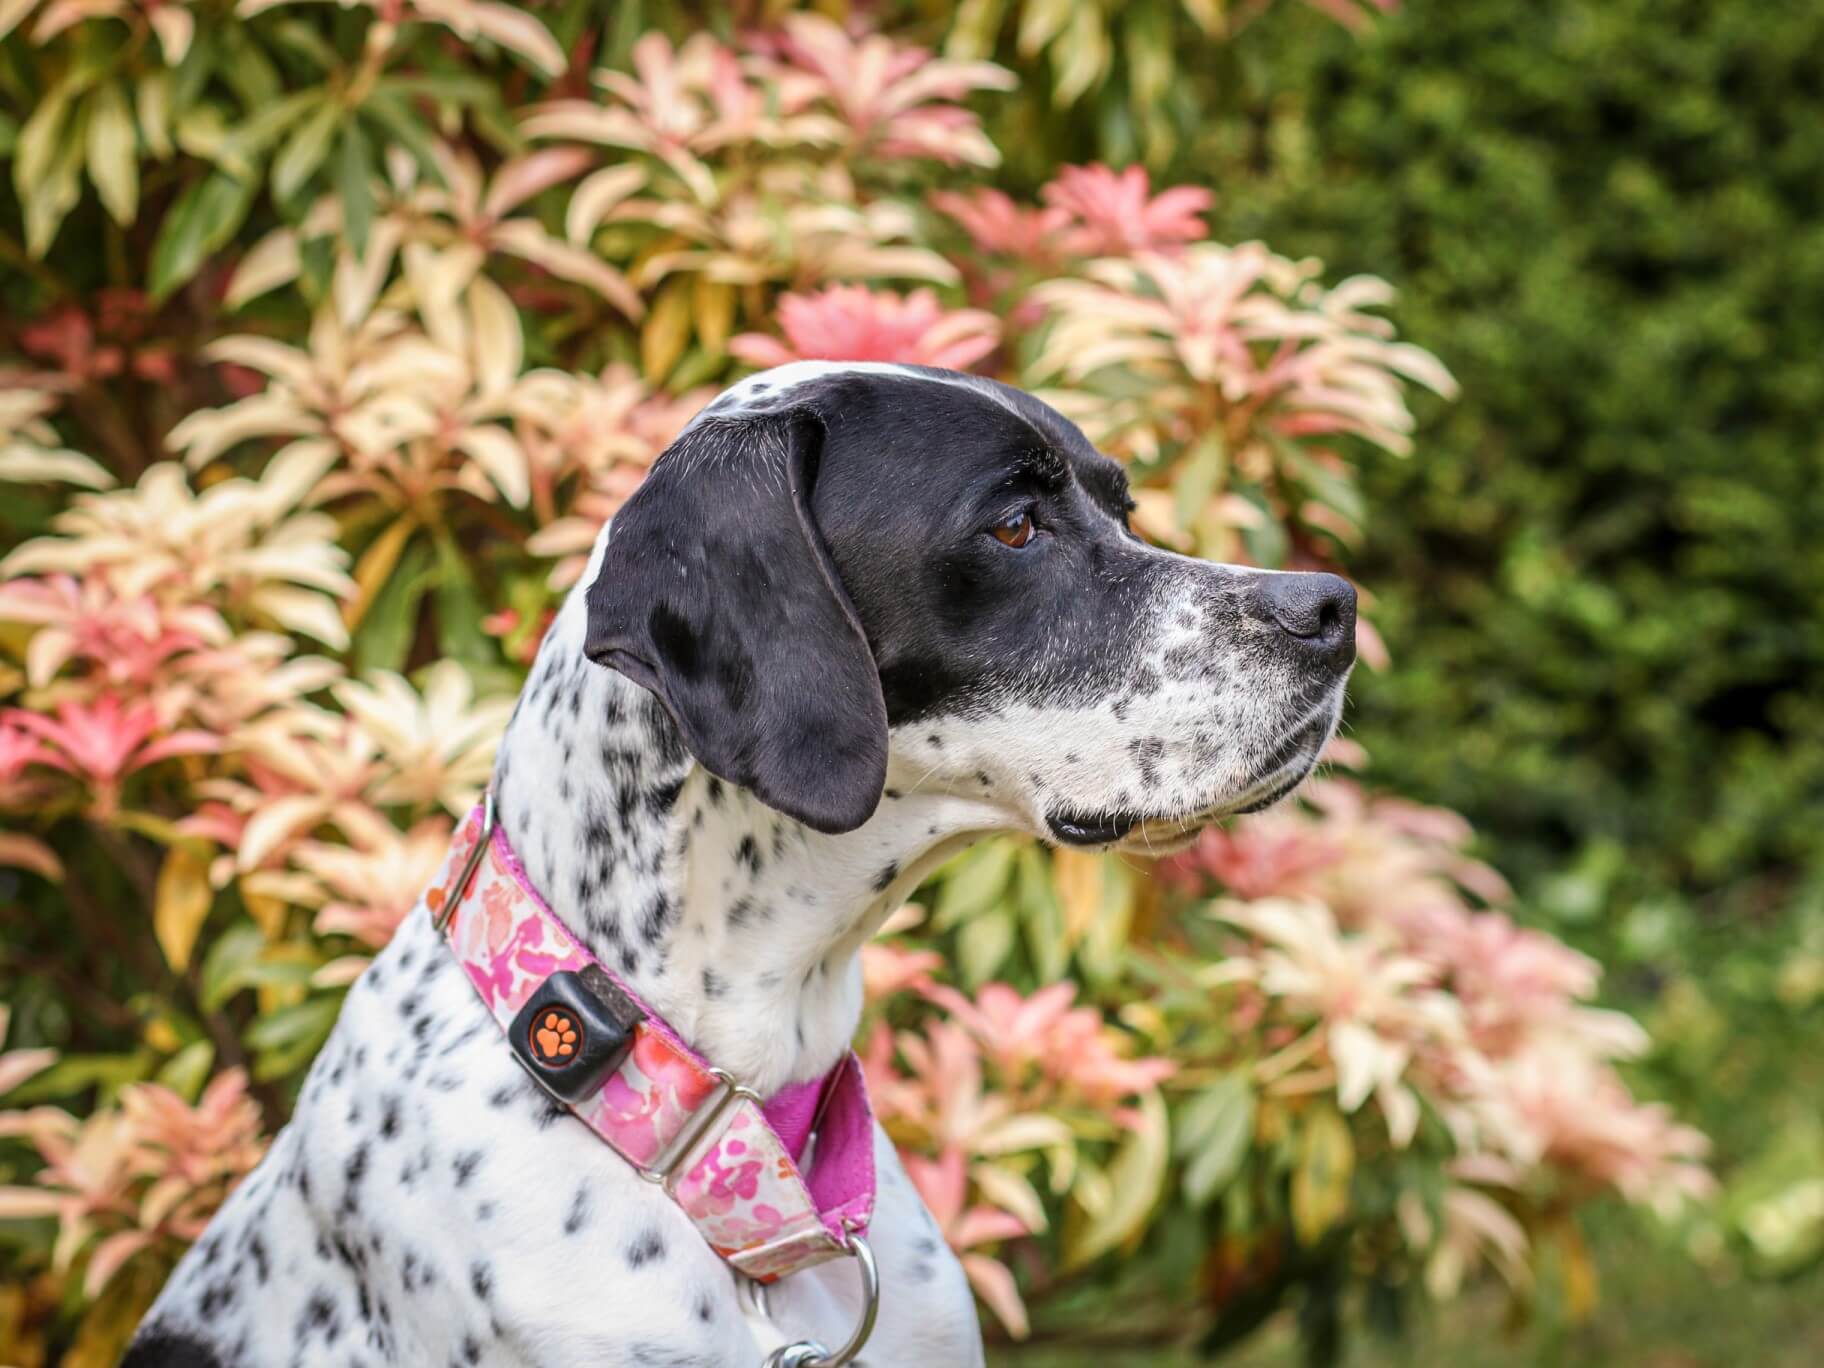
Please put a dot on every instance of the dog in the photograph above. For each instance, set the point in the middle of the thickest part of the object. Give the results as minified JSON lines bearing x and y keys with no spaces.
{"x":857,"y":617}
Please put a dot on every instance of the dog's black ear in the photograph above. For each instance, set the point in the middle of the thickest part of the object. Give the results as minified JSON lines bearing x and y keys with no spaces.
{"x":717,"y":593}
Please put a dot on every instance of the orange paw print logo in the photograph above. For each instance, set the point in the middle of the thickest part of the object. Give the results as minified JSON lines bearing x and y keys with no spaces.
{"x":555,"y":1037}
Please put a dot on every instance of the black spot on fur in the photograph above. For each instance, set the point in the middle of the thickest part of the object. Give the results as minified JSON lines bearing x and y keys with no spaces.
{"x":647,"y":1247}
{"x":157,"y":1346}
{"x":886,"y":876}
{"x":578,"y":1215}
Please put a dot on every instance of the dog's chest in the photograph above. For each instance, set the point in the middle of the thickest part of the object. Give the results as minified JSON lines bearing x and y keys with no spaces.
{"x":427,"y":1205}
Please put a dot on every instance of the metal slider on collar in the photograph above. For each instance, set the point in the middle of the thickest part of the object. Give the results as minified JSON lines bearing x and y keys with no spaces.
{"x":667,"y":1164}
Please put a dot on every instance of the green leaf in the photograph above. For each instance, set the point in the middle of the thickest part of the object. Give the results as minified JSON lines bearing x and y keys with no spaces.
{"x":1042,"y":915}
{"x":355,"y":184}
{"x":983,"y":946}
{"x":204,"y":217}
{"x":1214,"y":1132}
{"x":450,"y":86}
{"x":287,"y":1039}
{"x":42,"y":144}
{"x":975,"y":883}
{"x":1197,"y":476}
{"x":187,"y":1070}
{"x":193,"y":72}
{"x":404,"y":127}
{"x":79,"y":1073}
{"x":227,"y":966}
{"x":241,"y":148}
{"x":305,"y":150}
{"x":1136,"y":1178}
{"x":459,"y":608}
{"x":247,"y":70}
{"x":391,"y":620}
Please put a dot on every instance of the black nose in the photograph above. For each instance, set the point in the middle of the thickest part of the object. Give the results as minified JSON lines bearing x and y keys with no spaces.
{"x":1318,"y":611}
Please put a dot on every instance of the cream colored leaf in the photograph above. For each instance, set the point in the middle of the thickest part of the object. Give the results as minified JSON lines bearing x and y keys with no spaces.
{"x":305,"y":611}
{"x":518,"y":31}
{"x":175,"y":27}
{"x":27,"y":852}
{"x":1011,"y":1193}
{"x":273,"y":261}
{"x":495,"y":451}
{"x":22,"y":463}
{"x":596,"y":195}
{"x":1136,"y":1177}
{"x":28,"y":1203}
{"x":18,"y":1065}
{"x":152,"y":103}
{"x":114,"y":153}
{"x":276,"y":822}
{"x":499,"y":344}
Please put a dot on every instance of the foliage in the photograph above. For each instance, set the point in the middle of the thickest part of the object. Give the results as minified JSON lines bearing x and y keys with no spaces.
{"x":1619,"y":255}
{"x":1599,"y":585}
{"x":333,"y":335}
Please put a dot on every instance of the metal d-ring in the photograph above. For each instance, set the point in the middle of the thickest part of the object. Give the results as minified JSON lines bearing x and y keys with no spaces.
{"x":809,"y":1353}
{"x":454,"y":894}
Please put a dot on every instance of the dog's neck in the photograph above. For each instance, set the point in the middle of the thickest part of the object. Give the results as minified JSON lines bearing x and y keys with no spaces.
{"x":738,"y":924}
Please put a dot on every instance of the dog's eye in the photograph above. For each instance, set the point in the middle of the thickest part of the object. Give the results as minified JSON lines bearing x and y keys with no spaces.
{"x":1015,"y":531}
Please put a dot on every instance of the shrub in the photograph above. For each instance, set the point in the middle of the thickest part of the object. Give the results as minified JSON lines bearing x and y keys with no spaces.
{"x":334,"y":336}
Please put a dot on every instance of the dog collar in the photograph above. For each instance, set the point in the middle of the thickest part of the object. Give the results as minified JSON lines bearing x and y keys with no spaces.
{"x":730,"y":1159}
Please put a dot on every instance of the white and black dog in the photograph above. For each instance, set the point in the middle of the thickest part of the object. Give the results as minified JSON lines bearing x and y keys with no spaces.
{"x":857,"y":617}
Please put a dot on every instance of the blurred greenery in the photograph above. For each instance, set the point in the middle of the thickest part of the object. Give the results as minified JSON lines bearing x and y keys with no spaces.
{"x":1599,"y":578}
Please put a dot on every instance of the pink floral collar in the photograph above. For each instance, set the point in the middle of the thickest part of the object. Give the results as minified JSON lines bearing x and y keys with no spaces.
{"x":729,"y":1159}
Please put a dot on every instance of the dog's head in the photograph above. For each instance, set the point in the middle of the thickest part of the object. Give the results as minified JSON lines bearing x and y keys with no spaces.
{"x":838,"y":567}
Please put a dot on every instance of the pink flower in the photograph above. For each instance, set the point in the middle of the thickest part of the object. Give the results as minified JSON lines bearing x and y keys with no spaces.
{"x":19,"y":749}
{"x":1070,"y":1046}
{"x":1255,"y":858}
{"x":106,"y":740}
{"x":897,"y":100}
{"x":887,"y":969}
{"x":1508,"y":978}
{"x":1572,"y":1110}
{"x":854,"y":323}
{"x":996,"y":224}
{"x":125,"y":639}
{"x":943,"y":1183}
{"x":148,"y":1173}
{"x":370,"y":887}
{"x":1118,"y":215}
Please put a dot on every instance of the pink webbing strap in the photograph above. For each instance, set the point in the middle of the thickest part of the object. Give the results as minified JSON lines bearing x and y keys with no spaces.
{"x":729,"y":1160}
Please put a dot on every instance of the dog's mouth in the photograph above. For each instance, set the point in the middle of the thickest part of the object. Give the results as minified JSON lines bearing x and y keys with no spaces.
{"x":1166,"y":833}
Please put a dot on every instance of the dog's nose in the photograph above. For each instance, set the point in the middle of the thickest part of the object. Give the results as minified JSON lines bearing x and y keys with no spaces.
{"x":1317,"y":611}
